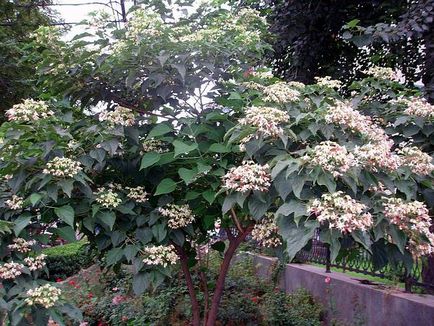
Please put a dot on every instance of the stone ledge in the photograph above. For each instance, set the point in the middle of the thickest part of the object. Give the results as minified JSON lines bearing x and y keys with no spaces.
{"x":353,"y":301}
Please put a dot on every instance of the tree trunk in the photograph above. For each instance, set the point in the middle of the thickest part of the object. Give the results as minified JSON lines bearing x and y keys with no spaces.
{"x":195,"y":308}
{"x":224,"y":268}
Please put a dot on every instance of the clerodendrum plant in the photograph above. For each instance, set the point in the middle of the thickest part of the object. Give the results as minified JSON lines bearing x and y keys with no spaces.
{"x":148,"y":176}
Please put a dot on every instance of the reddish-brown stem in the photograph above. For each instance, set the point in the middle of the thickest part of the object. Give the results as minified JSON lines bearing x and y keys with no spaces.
{"x":190,"y":286}
{"x":236,"y":221}
{"x":224,"y":268}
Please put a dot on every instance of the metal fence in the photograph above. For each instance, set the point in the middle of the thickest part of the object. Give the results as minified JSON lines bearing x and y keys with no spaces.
{"x":362,"y":263}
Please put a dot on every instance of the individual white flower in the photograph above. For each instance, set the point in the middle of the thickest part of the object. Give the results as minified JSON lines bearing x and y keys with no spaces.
{"x":179,"y":215}
{"x":15,"y":203}
{"x":107,"y":198}
{"x":265,"y":119}
{"x":418,"y":161}
{"x":341,"y":212}
{"x":29,"y":110}
{"x":45,"y":296}
{"x":138,"y":194}
{"x":414,"y":220}
{"x":62,"y":167}
{"x":22,"y":245}
{"x":35,"y":263}
{"x":382,"y":73}
{"x":328,"y":82}
{"x":266,"y":232}
{"x":11,"y":270}
{"x":119,"y":116}
{"x":160,"y":255}
{"x":331,"y":157}
{"x":247,"y":177}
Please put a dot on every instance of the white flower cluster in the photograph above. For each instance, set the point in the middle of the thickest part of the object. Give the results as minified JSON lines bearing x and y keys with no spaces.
{"x":22,"y":245}
{"x":160,"y":255}
{"x":418,"y":161}
{"x":377,"y":156}
{"x":29,"y":110}
{"x":266,"y":232}
{"x":332,"y":157}
{"x":281,"y":93}
{"x":296,"y":84}
{"x":328,"y":82}
{"x":143,"y":24}
{"x":153,"y":145}
{"x":246,"y":177}
{"x":416,"y":106}
{"x":382,"y":73}
{"x":119,"y":116}
{"x":265,"y":119}
{"x":138,"y":194}
{"x":414,"y":220}
{"x":35,"y":263}
{"x":45,"y":295}
{"x":62,"y":167}
{"x":107,"y":198}
{"x":341,"y":212}
{"x":179,"y":215}
{"x":10,"y":271}
{"x":420,"y":107}
{"x":377,"y":153}
{"x":343,"y":114}
{"x":15,"y":203}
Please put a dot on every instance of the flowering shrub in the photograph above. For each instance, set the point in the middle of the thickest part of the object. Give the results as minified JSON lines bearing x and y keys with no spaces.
{"x":265,"y":155}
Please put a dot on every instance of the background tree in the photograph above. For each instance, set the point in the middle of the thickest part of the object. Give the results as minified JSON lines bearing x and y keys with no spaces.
{"x":18,"y":20}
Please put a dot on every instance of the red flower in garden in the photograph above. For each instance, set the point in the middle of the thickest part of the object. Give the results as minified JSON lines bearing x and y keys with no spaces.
{"x":255,"y":299}
{"x":124,"y":318}
{"x":72,"y":283}
{"x":58,"y":280}
{"x":327,"y":280}
{"x":90,"y":295}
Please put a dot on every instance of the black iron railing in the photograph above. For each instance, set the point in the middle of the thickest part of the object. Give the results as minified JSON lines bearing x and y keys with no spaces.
{"x":361,"y":262}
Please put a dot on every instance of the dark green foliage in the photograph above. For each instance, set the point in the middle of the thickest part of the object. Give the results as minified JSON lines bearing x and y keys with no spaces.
{"x":19,"y":19}
{"x":67,"y":260}
{"x":295,"y":309}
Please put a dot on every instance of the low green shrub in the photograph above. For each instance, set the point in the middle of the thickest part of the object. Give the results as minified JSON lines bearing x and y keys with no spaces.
{"x":295,"y":309}
{"x":67,"y":260}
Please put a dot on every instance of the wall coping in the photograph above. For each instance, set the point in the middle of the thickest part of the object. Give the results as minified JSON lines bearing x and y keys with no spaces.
{"x":424,"y":299}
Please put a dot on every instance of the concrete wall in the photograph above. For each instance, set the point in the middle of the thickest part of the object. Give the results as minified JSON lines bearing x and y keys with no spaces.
{"x":351,"y":301}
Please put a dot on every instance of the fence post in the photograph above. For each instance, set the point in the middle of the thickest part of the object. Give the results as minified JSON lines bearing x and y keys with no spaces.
{"x":328,"y":263}
{"x":408,"y":280}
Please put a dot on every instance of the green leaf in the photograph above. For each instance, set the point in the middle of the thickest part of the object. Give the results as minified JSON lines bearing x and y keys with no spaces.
{"x":296,"y":237}
{"x":149,"y":159}
{"x":183,"y":148}
{"x":106,"y":218}
{"x":187,"y":175}
{"x":67,"y":185}
{"x":159,"y":232}
{"x":192,"y":195}
{"x":159,"y":130}
{"x":66,"y":214}
{"x":21,"y":222}
{"x":35,"y":198}
{"x":141,"y":282}
{"x":258,"y":207}
{"x":71,"y":311}
{"x":325,"y":179}
{"x":209,"y":196}
{"x":399,"y":238}
{"x":114,"y":256}
{"x":297,"y":183}
{"x":67,"y":233}
{"x":130,"y":252}
{"x":293,"y":207}
{"x":219,"y":148}
{"x":165,"y":186}
{"x":203,"y":168}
